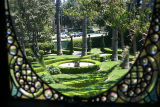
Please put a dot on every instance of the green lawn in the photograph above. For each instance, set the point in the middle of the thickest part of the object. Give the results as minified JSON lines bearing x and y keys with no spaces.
{"x":88,"y":84}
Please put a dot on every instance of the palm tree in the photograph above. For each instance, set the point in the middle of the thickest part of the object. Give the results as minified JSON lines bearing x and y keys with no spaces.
{"x":59,"y":45}
{"x":115,"y":45}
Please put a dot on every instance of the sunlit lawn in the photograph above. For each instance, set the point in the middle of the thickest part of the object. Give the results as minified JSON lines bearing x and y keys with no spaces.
{"x":88,"y":84}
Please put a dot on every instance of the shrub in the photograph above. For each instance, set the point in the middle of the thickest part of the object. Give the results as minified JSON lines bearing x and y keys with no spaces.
{"x":89,"y":43}
{"x":70,"y":45}
{"x":53,"y":70}
{"x":41,"y":52}
{"x":77,"y":43}
{"x":29,"y":52}
{"x":30,"y":58}
{"x":47,"y":78}
{"x":46,"y":46}
{"x":102,"y":43}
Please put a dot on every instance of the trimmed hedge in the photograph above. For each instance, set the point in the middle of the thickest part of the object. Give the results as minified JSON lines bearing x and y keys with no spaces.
{"x":105,"y":57}
{"x":77,"y":49}
{"x":38,"y":69}
{"x":76,"y":70}
{"x":67,"y":52}
{"x":47,"y":62}
{"x":108,"y":50}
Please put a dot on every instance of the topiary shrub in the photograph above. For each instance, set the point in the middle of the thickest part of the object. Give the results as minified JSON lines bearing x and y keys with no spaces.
{"x":102,"y":43}
{"x":89,"y":43}
{"x":29,"y":52}
{"x":41,"y":52}
{"x":53,"y":70}
{"x":77,"y":43}
{"x":47,"y":78}
{"x":30,"y":58}
{"x":46,"y":46}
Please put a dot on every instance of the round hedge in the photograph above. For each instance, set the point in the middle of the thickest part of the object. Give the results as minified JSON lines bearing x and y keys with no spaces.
{"x":77,"y":70}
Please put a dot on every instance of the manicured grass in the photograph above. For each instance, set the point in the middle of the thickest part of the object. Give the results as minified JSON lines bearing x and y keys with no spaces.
{"x":88,"y":84}
{"x":85,"y":84}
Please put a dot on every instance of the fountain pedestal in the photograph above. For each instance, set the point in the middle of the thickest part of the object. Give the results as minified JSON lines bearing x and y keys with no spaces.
{"x":76,"y":64}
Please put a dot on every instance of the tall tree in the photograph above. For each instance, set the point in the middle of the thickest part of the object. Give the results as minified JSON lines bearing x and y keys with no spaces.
{"x":83,"y":10}
{"x":59,"y":45}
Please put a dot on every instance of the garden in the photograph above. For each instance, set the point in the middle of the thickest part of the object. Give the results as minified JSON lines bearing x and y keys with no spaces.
{"x":88,"y":65}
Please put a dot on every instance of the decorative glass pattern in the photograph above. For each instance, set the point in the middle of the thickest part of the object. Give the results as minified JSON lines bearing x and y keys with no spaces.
{"x":140,"y":85}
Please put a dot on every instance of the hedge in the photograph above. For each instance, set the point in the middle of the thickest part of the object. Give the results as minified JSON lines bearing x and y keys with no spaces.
{"x":76,"y":70}
{"x":77,"y":48}
{"x":92,"y":56}
{"x":42,"y":46}
{"x":108,"y":50}
{"x":105,"y":57}
{"x":38,"y":69}
{"x":67,"y":52}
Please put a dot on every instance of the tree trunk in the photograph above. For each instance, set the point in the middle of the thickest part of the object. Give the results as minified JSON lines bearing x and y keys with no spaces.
{"x":115,"y":45}
{"x":21,"y":36}
{"x":125,"y":63}
{"x":143,"y":5}
{"x":54,"y":25}
{"x":122,"y":41}
{"x":84,"y":37}
{"x":59,"y":45}
{"x":22,"y":39}
{"x":134,"y":46}
{"x":35,"y":38}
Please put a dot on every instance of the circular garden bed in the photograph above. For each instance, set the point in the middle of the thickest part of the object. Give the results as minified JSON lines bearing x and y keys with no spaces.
{"x":82,"y":69}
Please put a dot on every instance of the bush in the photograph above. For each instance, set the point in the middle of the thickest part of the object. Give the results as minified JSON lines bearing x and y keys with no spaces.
{"x":102,"y":43}
{"x":76,"y":70}
{"x":70,"y":45}
{"x":53,"y":70}
{"x":29,"y":58}
{"x":47,"y":78}
{"x":29,"y":52}
{"x":89,"y":42}
{"x":77,"y":43}
{"x":41,"y":52}
{"x":46,"y":46}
